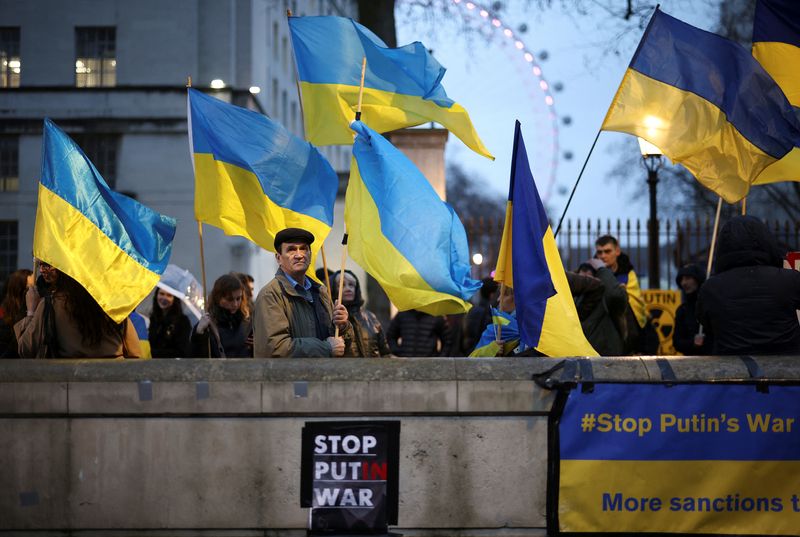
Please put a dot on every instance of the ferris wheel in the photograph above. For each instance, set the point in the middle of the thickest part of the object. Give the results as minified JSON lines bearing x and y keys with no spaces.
{"x":499,"y":33}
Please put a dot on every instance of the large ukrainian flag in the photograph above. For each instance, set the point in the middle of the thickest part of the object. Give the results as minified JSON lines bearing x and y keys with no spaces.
{"x":401,"y":233}
{"x":776,"y":46}
{"x":402,"y":86}
{"x":253,"y":178}
{"x":112,"y":245}
{"x":706,"y":103}
{"x":529,"y":263}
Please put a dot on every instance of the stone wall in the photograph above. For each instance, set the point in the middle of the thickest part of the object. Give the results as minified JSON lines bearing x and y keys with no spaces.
{"x":212,"y":447}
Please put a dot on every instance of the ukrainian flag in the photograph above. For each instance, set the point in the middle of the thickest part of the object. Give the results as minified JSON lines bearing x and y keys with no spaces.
{"x":140,"y":325}
{"x":487,"y":346}
{"x":401,"y":233}
{"x":776,"y":46}
{"x":253,"y":178}
{"x":529,"y":263}
{"x":706,"y":103}
{"x":112,"y":245}
{"x":402,"y":86}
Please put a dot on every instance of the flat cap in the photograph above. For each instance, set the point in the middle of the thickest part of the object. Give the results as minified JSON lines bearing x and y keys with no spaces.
{"x":292,"y":234}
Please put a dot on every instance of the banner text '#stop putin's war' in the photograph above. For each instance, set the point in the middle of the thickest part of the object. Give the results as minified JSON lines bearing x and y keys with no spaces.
{"x":682,"y":458}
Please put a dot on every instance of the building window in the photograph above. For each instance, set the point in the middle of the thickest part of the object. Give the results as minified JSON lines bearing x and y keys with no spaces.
{"x":9,"y":163}
{"x":285,"y":54}
{"x":284,"y":108}
{"x":95,"y":57}
{"x":9,"y":243}
{"x":275,"y":39}
{"x":274,"y":98}
{"x":10,"y":62}
{"x":102,"y":151}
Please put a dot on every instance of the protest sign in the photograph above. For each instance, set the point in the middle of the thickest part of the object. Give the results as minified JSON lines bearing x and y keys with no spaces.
{"x":349,"y":475}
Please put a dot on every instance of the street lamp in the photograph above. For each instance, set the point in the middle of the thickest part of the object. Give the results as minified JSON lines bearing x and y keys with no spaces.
{"x":651,"y":155}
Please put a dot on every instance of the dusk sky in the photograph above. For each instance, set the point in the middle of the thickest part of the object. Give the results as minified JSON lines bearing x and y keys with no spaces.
{"x":495,"y":83}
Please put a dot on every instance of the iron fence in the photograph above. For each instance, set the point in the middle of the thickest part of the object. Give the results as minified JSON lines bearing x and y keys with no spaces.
{"x":681,"y":241}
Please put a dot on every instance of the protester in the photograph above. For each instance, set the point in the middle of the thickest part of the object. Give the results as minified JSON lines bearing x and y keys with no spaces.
{"x":170,"y":329}
{"x":68,"y":323}
{"x":294,"y":315}
{"x":369,"y":340}
{"x":12,"y":310}
{"x":609,"y":252}
{"x":247,"y":297}
{"x":224,"y":330}
{"x":601,"y":304}
{"x":749,"y":306}
{"x":480,"y":315}
{"x":686,"y":336}
{"x":414,"y":333}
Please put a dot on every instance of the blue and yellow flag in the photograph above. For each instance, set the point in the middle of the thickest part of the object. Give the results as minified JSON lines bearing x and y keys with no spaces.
{"x":706,"y":103}
{"x":401,"y":233}
{"x":254,"y":178}
{"x":530,"y":264}
{"x":487,"y":346}
{"x":140,"y":325}
{"x":112,"y":245}
{"x":402,"y":86}
{"x":776,"y":46}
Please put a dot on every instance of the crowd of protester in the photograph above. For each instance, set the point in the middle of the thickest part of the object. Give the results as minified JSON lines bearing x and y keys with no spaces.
{"x":748,"y":306}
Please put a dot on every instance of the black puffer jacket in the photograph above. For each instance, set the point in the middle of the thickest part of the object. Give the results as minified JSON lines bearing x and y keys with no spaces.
{"x":413,"y":333}
{"x":750,"y":304}
{"x":686,"y":325}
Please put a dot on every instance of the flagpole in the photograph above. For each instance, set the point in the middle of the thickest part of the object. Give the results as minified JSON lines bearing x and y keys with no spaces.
{"x":299,"y":93}
{"x":575,"y":187}
{"x":711,"y":249}
{"x":341,"y":276}
{"x":361,"y":87}
{"x":200,"y":236}
{"x":499,"y":330}
{"x":325,"y":268}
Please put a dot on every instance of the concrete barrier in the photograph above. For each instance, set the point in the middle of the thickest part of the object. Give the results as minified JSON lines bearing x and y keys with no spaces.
{"x":212,"y":447}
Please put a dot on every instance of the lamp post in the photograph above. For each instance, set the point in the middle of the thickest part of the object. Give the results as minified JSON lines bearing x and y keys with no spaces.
{"x":651,"y":156}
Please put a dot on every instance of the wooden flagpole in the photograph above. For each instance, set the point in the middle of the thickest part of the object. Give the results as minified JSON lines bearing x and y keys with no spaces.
{"x":361,"y":87}
{"x":499,"y":330}
{"x":341,"y":276}
{"x":711,"y":249}
{"x":325,"y":268}
{"x":202,"y":250}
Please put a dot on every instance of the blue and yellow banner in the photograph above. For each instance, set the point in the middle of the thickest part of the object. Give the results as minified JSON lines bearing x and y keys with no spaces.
{"x":401,"y":233}
{"x":402,"y":86}
{"x":702,"y":458}
{"x":254,"y":178}
{"x":530,"y":264}
{"x":114,"y":246}
{"x":706,"y":103}
{"x":776,"y":46}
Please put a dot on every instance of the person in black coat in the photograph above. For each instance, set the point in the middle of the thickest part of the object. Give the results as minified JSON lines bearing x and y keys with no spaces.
{"x":170,"y":328}
{"x":750,"y":304}
{"x":413,"y":333}
{"x":225,"y":331}
{"x":686,"y":337}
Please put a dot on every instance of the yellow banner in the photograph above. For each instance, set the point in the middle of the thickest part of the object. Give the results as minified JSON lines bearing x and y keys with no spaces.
{"x":661,"y":307}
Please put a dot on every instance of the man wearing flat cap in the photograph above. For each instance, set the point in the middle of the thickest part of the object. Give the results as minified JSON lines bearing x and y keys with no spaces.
{"x":293,"y":315}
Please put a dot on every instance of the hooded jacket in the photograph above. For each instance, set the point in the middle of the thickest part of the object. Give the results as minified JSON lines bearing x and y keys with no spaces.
{"x":369,"y":341}
{"x":750,"y":304}
{"x":686,"y":325}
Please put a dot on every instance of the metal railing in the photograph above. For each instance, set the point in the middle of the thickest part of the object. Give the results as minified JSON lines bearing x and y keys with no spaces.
{"x":681,"y":241}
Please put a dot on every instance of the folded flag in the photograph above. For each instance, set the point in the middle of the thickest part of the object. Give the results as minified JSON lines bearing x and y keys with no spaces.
{"x":112,"y":245}
{"x":254,"y":178}
{"x":706,"y":103}
{"x":401,"y":233}
{"x":402,"y":86}
{"x":487,"y":345}
{"x":140,"y":325}
{"x":776,"y":46}
{"x":530,"y":264}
